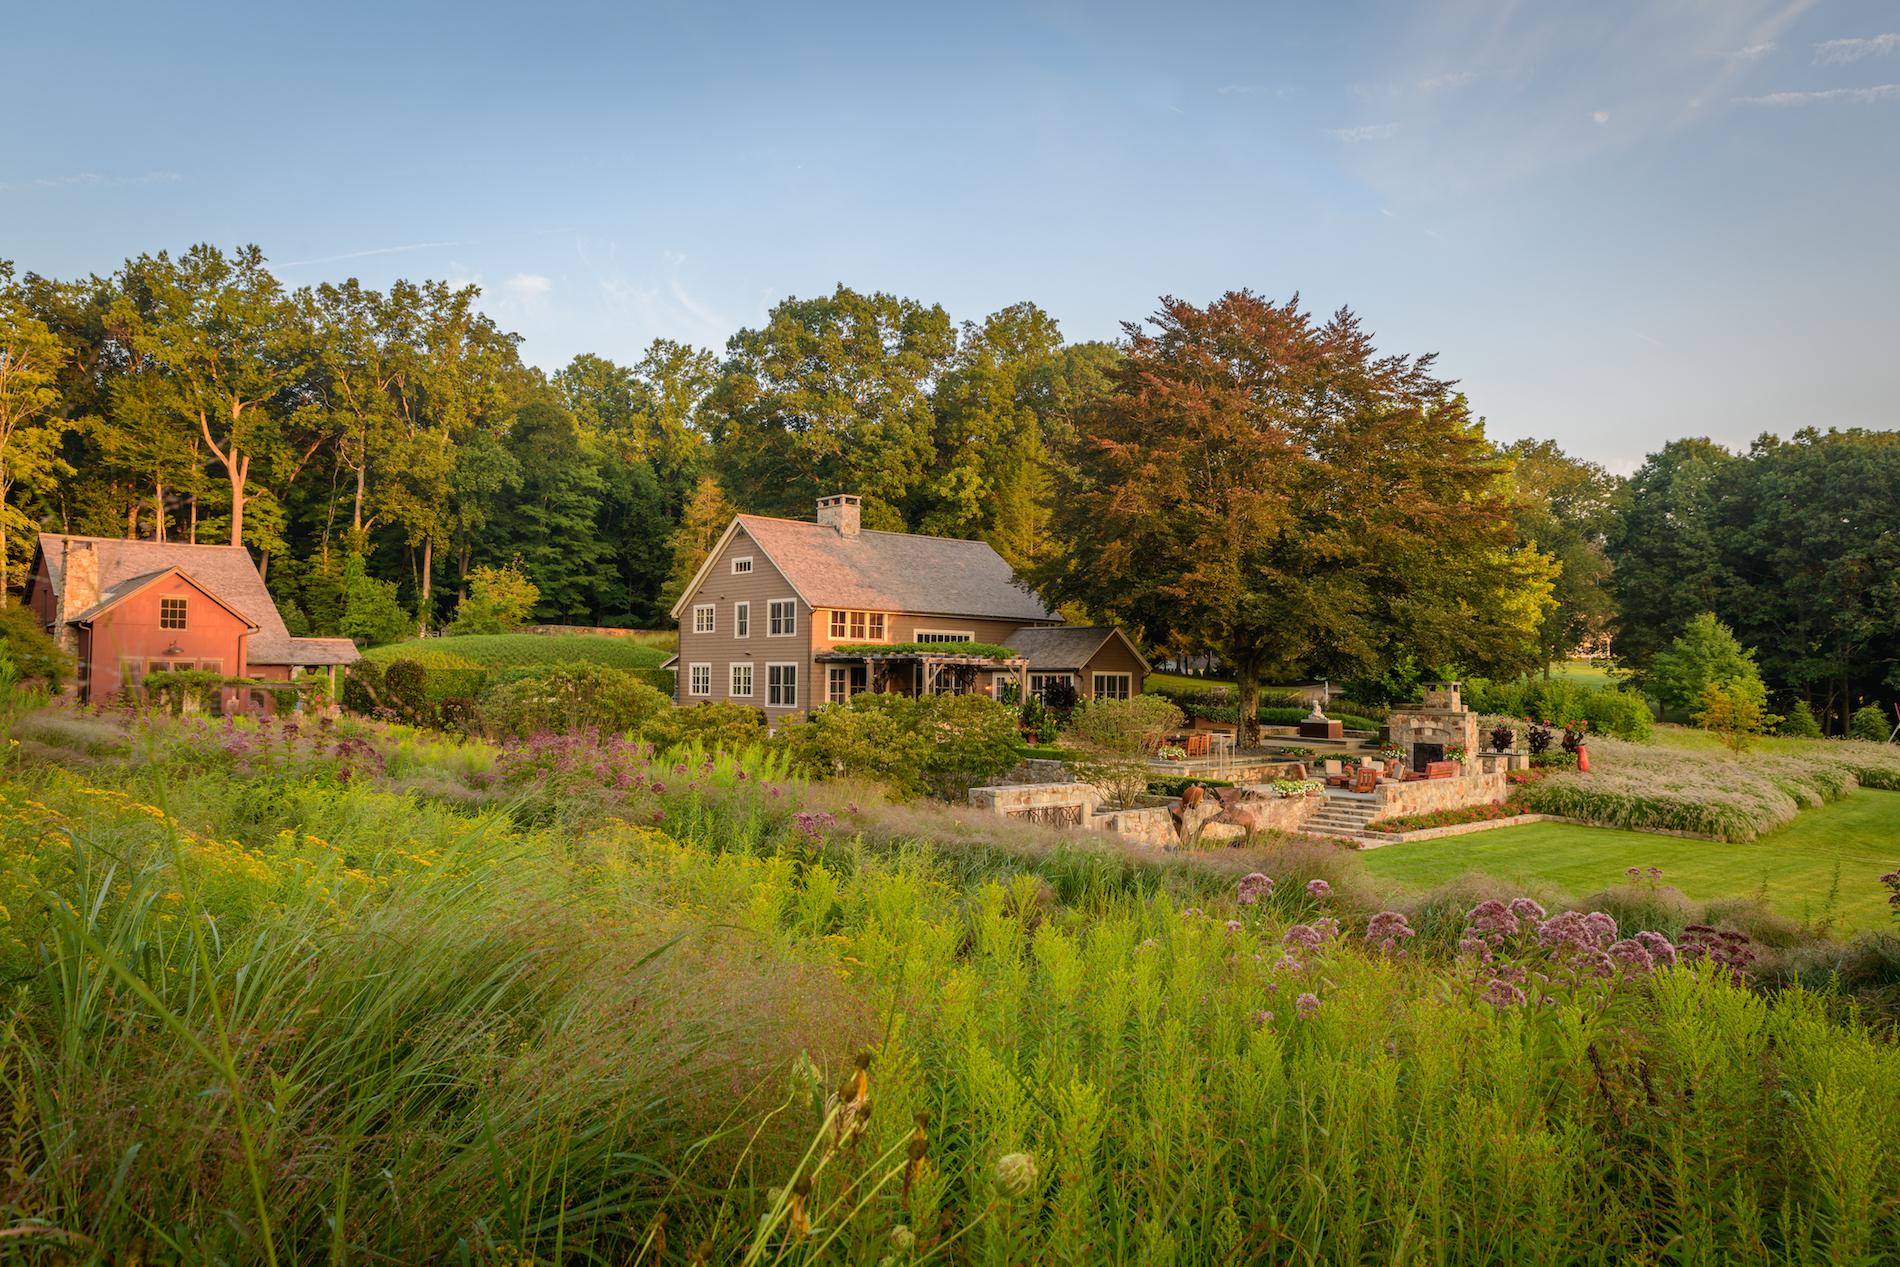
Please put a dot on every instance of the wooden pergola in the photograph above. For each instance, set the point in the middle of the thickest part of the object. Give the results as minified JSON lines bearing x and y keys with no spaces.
{"x":930,"y":673}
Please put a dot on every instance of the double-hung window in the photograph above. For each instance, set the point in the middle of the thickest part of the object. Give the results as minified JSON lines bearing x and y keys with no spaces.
{"x":855,"y":626}
{"x":742,"y":620}
{"x":705,"y":617}
{"x":781,"y":618}
{"x":781,"y":685}
{"x":741,"y":683}
{"x":1112,"y":685}
{"x":699,"y":680}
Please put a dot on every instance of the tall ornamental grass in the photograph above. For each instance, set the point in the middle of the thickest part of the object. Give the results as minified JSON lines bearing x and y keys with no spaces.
{"x":1710,"y":791}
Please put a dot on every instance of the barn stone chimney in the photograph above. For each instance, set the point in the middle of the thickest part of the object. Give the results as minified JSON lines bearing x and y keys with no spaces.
{"x":79,"y":587}
{"x":839,"y":511}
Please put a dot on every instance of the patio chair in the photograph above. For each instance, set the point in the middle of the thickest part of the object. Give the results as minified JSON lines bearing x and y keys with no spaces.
{"x":1365,"y":779}
{"x":1200,"y":744}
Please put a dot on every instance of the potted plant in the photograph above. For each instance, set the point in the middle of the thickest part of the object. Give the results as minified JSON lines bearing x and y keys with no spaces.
{"x":1457,"y":755}
{"x":1172,"y":752}
{"x":1503,"y":738}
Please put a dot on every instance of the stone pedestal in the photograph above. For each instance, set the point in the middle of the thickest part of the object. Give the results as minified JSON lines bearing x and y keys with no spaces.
{"x":1321,"y":728}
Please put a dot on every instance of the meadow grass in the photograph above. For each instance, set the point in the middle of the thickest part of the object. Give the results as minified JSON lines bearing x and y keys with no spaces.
{"x":1686,"y":781}
{"x":1793,"y":869}
{"x":521,"y":650}
{"x":604,"y":1009}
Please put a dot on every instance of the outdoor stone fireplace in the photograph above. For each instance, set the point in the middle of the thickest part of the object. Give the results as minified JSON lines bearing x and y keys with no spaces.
{"x":1427,"y":731}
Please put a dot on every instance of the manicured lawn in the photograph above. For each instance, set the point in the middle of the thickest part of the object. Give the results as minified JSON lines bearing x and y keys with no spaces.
{"x":1582,"y":672}
{"x":496,"y":651}
{"x":1861,"y":834}
{"x":1178,"y":682}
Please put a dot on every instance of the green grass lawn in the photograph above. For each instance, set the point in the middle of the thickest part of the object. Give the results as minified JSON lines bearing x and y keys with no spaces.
{"x":500,"y":651}
{"x":1796,"y":864}
{"x":1583,"y":672}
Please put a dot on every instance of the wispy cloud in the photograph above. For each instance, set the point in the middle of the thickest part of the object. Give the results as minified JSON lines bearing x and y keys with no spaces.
{"x":1444,"y":83}
{"x":374,"y":250}
{"x":1600,"y":117}
{"x":89,"y":180}
{"x":1840,"y":52}
{"x":1752,"y":53}
{"x":1830,"y":96}
{"x":529,"y":285}
{"x":1657,"y":343}
{"x":1363,"y":133}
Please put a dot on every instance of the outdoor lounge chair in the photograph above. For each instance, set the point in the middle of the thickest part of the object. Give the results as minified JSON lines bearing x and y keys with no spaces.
{"x":1365,"y":779}
{"x":1336,"y":775}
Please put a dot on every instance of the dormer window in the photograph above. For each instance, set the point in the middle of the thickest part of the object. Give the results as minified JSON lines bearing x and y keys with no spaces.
{"x":171,"y":613}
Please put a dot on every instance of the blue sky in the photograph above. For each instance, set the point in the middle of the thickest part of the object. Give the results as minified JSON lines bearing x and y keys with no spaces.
{"x":1616,"y":222}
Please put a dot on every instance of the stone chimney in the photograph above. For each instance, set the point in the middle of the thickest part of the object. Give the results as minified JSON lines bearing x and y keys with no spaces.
{"x":839,"y":511}
{"x":79,"y":588}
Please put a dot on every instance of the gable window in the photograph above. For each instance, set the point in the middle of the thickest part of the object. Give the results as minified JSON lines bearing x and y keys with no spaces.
{"x":171,"y":613}
{"x":742,"y":567}
{"x":781,"y":618}
{"x":946,"y":635}
{"x":856,"y":626}
{"x":781,"y":685}
{"x":699,"y":680}
{"x":703,"y":618}
{"x":742,"y":620}
{"x":1112,"y":685}
{"x":741,"y":684}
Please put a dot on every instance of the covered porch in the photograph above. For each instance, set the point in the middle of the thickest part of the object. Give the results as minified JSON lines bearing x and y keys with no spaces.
{"x":842,"y":674}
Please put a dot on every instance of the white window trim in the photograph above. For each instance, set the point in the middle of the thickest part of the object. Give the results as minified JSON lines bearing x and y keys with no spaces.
{"x":692,"y":680}
{"x":781,"y":664}
{"x":711,"y":611}
{"x":1048,"y":678}
{"x":925,"y":635}
{"x":831,"y":678}
{"x":742,"y":620}
{"x":732,"y":679}
{"x":1095,"y":684}
{"x":742,"y":571}
{"x":791,"y":632}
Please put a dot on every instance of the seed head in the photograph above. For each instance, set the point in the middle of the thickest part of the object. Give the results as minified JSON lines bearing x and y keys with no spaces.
{"x":1016,"y":1176}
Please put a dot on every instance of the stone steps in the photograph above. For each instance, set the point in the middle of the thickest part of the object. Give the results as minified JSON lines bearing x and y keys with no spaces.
{"x":1342,"y":816}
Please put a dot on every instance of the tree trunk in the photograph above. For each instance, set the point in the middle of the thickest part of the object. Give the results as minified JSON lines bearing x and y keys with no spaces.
{"x":194,"y":519}
{"x":158,"y":503}
{"x":263,"y":566}
{"x":428,"y":566}
{"x":1248,"y":680}
{"x":356,"y":516}
{"x":132,"y":518}
{"x":238,"y":468}
{"x":5,"y":571}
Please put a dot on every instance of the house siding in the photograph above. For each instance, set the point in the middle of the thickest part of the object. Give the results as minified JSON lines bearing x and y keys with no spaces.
{"x":720,"y":649}
{"x":128,"y":636}
{"x":1112,"y":657}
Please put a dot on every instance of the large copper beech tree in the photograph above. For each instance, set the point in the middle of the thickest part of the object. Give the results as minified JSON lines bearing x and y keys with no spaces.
{"x":1274,"y":490}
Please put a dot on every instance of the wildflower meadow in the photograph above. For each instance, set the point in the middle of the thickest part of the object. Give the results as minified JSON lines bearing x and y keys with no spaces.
{"x":362,"y":995}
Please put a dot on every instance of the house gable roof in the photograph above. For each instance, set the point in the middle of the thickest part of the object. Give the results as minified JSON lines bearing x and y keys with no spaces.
{"x":224,"y":573}
{"x":132,"y":585}
{"x":1067,"y":647}
{"x":885,"y":571}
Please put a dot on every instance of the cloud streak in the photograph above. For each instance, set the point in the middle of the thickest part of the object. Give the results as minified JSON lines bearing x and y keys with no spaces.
{"x":529,"y":285}
{"x":1365,"y":132}
{"x":374,"y":250}
{"x":1830,"y":96}
{"x":89,"y":180}
{"x":1841,"y":52}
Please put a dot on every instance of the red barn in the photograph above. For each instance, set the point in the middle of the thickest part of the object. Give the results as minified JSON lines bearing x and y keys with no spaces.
{"x":127,"y":608}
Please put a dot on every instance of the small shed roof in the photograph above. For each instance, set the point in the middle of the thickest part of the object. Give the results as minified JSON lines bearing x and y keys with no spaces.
{"x":1066,"y":648}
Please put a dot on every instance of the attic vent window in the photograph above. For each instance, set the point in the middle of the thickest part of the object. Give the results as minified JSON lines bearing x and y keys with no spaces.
{"x":742,"y":567}
{"x":171,"y":613}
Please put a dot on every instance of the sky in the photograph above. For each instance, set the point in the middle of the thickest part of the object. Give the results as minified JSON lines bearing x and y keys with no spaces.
{"x":1615,"y":222}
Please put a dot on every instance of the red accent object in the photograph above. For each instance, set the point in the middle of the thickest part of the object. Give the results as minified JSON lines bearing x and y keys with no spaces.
{"x":1583,"y":759}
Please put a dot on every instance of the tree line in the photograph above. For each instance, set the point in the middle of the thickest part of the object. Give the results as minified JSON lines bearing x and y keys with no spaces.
{"x":1240,"y":478}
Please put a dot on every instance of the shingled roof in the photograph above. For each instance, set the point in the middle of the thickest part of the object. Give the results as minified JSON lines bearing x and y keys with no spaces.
{"x":1064,"y":647}
{"x":226,"y":572}
{"x":894,"y":571}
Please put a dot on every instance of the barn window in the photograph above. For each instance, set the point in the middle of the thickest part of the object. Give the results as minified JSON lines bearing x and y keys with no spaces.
{"x":171,"y":613}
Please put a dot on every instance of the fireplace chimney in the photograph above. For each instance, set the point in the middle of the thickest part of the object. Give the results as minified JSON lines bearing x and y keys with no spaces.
{"x":839,"y":511}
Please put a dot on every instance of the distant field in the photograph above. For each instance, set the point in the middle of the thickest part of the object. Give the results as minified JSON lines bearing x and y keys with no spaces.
{"x":1795,"y":865}
{"x":503,"y":651}
{"x":1583,"y":672}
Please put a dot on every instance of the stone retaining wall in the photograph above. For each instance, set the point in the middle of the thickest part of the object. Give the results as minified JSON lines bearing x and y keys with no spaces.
{"x":1021,"y":799}
{"x":1425,"y":796}
{"x":1148,"y":825}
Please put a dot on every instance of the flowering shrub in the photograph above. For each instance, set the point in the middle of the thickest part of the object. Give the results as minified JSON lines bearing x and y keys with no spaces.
{"x":1446,"y":817}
